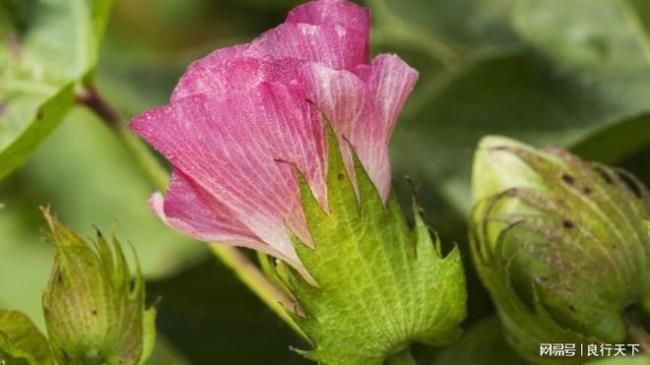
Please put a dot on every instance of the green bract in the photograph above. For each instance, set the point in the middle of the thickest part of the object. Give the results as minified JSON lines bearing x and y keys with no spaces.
{"x":561,"y":244}
{"x":381,"y":284}
{"x":94,"y":314}
{"x":21,"y":343}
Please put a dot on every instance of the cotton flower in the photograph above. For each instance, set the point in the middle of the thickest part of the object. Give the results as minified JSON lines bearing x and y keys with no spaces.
{"x":243,"y":117}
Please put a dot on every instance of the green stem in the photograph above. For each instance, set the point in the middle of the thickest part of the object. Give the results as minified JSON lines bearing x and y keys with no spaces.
{"x":233,"y":258}
{"x":403,"y":357}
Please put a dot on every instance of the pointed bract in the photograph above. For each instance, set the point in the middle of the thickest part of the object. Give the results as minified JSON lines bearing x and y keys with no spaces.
{"x":93,"y":313}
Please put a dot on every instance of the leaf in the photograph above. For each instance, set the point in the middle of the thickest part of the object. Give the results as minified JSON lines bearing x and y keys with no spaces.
{"x":49,"y":48}
{"x":442,"y":29}
{"x":516,"y":95}
{"x":21,"y":343}
{"x":381,"y":285}
{"x":616,"y":142}
{"x":483,"y":344}
{"x":607,"y":37}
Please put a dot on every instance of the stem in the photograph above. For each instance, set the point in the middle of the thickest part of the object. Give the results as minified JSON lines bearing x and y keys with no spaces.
{"x":232,"y":257}
{"x":403,"y":357}
{"x":258,"y":283}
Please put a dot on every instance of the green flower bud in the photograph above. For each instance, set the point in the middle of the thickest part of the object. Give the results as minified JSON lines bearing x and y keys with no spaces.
{"x":93,"y":312}
{"x":561,"y":244}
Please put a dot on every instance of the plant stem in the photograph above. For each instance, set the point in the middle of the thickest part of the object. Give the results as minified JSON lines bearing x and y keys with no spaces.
{"x":403,"y":357}
{"x":244,"y":269}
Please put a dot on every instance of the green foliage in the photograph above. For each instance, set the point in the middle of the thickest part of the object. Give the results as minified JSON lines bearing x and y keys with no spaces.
{"x":21,"y":343}
{"x":483,"y":344}
{"x":484,"y":69}
{"x":560,"y":244}
{"x":48,"y":48}
{"x":94,"y":314}
{"x":381,"y":285}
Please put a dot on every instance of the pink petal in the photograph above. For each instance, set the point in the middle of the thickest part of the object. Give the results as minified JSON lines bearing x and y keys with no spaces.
{"x":333,"y":12}
{"x":364,"y":107}
{"x":206,"y":74}
{"x":189,"y":209}
{"x":231,"y":147}
{"x":331,"y":44}
{"x":220,"y":77}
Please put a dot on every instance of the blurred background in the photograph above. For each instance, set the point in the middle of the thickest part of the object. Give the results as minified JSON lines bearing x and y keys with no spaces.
{"x":549,"y":72}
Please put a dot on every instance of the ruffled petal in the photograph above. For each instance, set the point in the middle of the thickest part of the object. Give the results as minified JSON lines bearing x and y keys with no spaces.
{"x":232,"y":149}
{"x":363,"y":107}
{"x":220,"y":77}
{"x":206,"y":75}
{"x":188,"y":208}
{"x":333,"y":12}
{"x":333,"y":45}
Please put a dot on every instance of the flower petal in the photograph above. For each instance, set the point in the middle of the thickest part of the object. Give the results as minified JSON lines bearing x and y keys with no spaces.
{"x":231,"y":148}
{"x":331,"y":44}
{"x":364,"y":107}
{"x":333,"y":12}
{"x":188,"y":208}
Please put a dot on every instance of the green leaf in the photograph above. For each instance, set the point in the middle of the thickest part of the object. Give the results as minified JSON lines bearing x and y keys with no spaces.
{"x":616,"y":142}
{"x":483,"y":344}
{"x":444,"y":30}
{"x":381,"y":285}
{"x":514,"y":94}
{"x":21,"y":343}
{"x":93,"y":312}
{"x":49,"y":48}
{"x":606,"y":38}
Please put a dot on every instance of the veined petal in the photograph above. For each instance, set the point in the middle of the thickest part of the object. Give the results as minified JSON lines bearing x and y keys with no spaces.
{"x":363,"y":107}
{"x":389,"y":81}
{"x":336,"y":12}
{"x":232,"y":147}
{"x":331,"y":44}
{"x":220,"y":77}
{"x":206,"y":74}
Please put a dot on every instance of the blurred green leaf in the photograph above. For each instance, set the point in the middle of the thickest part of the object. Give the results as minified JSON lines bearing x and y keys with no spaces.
{"x":608,"y":38}
{"x":516,"y":94}
{"x":48,"y":48}
{"x":616,"y":142}
{"x":483,"y":344}
{"x":21,"y":343}
{"x":445,"y":30}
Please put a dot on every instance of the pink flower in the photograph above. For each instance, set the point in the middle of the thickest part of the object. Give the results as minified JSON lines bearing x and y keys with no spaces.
{"x":240,"y":110}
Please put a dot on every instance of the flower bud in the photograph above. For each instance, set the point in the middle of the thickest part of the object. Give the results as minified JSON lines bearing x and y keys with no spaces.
{"x":93,"y":312}
{"x":560,"y":243}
